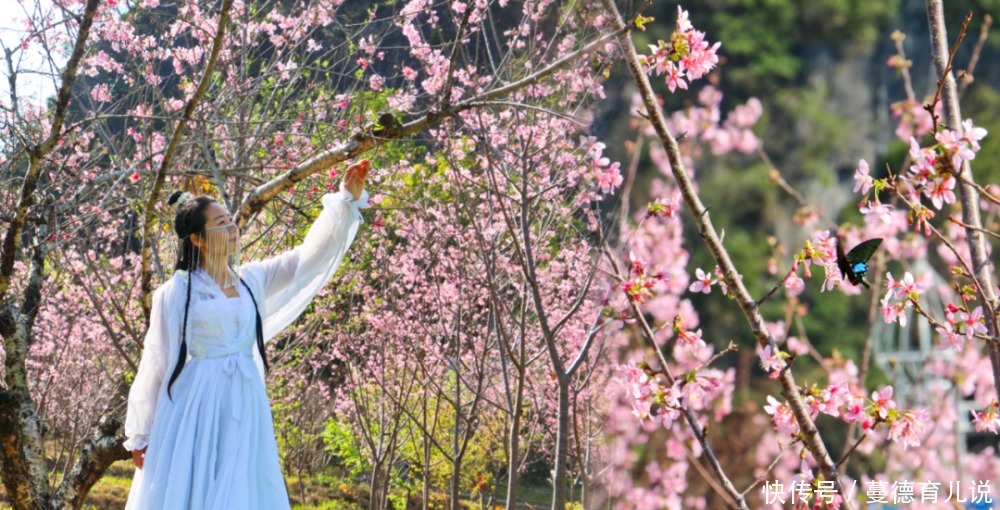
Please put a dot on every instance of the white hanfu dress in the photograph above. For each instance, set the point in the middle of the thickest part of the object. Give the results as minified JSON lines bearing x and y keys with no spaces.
{"x":212,"y":445}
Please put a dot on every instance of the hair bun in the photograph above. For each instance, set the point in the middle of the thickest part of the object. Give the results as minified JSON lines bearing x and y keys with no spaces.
{"x":177,"y":199}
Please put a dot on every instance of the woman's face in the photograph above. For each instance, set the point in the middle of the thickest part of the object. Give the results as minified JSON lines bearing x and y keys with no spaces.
{"x":222,"y":237}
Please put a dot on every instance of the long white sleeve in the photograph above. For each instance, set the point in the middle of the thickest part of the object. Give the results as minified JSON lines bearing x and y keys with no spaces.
{"x":293,"y":278}
{"x":145,"y":389}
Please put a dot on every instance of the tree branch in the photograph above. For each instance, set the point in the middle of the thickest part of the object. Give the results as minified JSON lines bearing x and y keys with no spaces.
{"x":168,"y":156}
{"x":750,"y":308}
{"x":969,"y":195}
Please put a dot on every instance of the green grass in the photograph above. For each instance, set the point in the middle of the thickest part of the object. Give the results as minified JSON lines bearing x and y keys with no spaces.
{"x":321,"y":493}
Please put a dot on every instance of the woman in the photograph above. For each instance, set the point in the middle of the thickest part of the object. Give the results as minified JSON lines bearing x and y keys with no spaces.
{"x":199,"y":421}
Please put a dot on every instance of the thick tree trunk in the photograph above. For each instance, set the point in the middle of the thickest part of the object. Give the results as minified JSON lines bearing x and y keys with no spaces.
{"x":562,"y":447}
{"x":969,"y":195}
{"x":515,"y":443}
{"x":456,"y":485}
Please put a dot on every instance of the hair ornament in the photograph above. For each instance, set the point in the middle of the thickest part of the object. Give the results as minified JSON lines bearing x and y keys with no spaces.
{"x":179,"y":201}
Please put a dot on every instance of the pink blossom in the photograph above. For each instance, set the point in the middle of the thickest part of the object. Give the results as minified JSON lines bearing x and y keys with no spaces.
{"x":835,"y":396}
{"x":771,"y":362}
{"x":610,"y":178}
{"x":883,"y":401}
{"x":781,"y":416}
{"x":914,"y":120}
{"x":797,"y":346}
{"x":924,"y":163}
{"x":909,"y":427}
{"x":907,"y":288}
{"x":882,"y":211}
{"x":989,"y":419}
{"x":692,"y":338}
{"x":973,"y":322}
{"x":972,"y":134}
{"x":892,"y":312}
{"x":667,"y":208}
{"x":863,"y":181}
{"x":855,"y":410}
{"x":100,"y":93}
{"x":675,"y":76}
{"x":685,"y":57}
{"x":956,"y":145}
{"x":794,"y":285}
{"x":683,"y":23}
{"x":703,"y":282}
{"x":951,"y":338}
{"x":285,"y":69}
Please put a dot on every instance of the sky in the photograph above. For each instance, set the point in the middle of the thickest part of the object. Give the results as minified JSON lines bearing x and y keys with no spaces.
{"x":34,"y":83}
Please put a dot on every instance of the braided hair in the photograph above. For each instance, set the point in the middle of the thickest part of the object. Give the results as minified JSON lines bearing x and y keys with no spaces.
{"x":189,"y":219}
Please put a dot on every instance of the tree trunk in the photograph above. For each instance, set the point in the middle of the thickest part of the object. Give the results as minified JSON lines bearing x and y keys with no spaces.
{"x":456,"y":485}
{"x":425,"y":496}
{"x":374,"y":487}
{"x":562,"y":447}
{"x":515,"y":443}
{"x":456,"y":474}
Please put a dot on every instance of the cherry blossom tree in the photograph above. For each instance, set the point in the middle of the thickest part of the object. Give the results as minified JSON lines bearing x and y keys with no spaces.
{"x":509,"y":306}
{"x":258,"y":106}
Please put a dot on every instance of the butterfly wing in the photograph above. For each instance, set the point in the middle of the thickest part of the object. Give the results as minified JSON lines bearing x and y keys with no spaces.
{"x":862,"y":252}
{"x":845,"y":268}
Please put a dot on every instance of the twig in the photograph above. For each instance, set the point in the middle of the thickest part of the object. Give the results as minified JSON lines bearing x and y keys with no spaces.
{"x":849,"y":452}
{"x":763,"y":476}
{"x":904,"y":68}
{"x":708,"y":234}
{"x":969,"y":195}
{"x":779,"y":180}
{"x":776,"y":287}
{"x":944,"y":74}
{"x":689,"y":416}
{"x":362,"y":142}
{"x":967,"y":226}
{"x":168,"y":156}
{"x":967,"y":77}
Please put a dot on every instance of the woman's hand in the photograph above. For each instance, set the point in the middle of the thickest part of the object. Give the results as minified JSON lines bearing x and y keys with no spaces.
{"x":354,"y":181}
{"x":138,"y":457}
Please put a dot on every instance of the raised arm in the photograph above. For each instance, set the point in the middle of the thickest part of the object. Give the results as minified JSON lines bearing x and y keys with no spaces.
{"x":145,"y":389}
{"x":291,"y":279}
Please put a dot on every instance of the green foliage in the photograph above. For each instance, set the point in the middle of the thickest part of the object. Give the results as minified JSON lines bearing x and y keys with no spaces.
{"x":802,"y":111}
{"x":340,"y":440}
{"x":482,"y":458}
{"x":757,"y":37}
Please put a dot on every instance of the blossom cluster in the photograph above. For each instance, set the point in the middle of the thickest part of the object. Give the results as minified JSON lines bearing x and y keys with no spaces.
{"x":899,"y":296}
{"x":960,"y":325}
{"x":914,"y":119}
{"x":989,"y":419}
{"x":598,"y":167}
{"x":837,"y":400}
{"x":661,"y":403}
{"x":687,"y":56}
{"x":932,"y":174}
{"x":639,"y":285}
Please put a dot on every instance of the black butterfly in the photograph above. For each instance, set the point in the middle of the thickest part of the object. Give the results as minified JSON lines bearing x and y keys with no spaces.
{"x":854,"y":265}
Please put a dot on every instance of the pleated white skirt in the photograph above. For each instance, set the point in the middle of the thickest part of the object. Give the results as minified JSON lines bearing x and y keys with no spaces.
{"x":212,"y":445}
